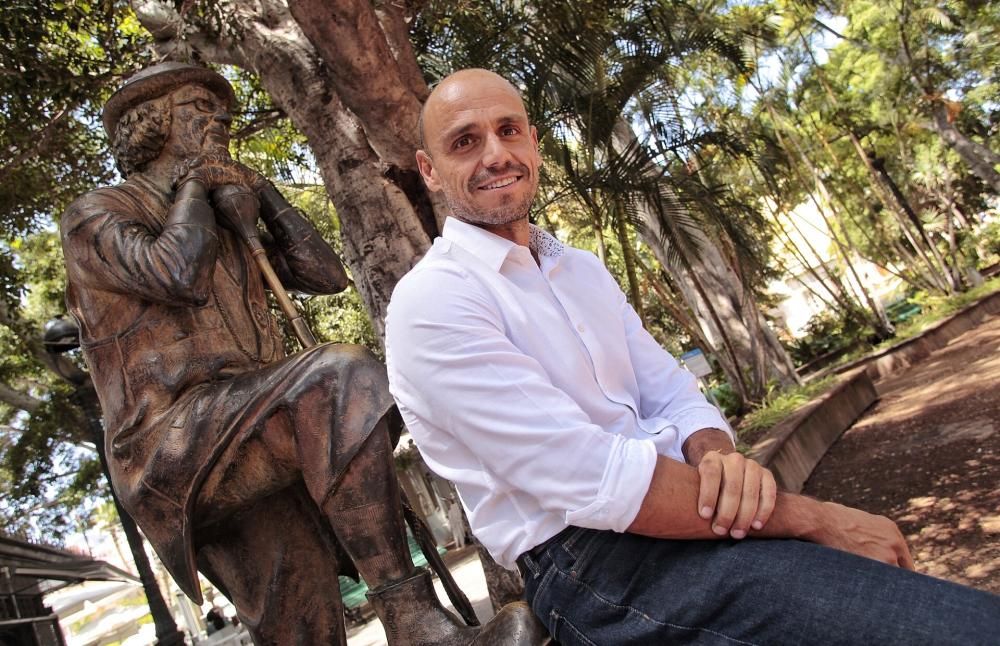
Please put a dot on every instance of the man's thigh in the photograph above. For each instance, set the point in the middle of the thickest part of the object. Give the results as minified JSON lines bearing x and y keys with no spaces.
{"x":606,"y":588}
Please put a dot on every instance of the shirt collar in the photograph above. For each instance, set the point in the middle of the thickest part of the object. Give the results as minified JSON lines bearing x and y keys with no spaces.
{"x":493,"y":249}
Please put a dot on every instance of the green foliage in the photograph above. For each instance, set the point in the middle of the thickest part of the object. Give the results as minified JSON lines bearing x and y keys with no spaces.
{"x":779,"y":405}
{"x":989,"y":237}
{"x":936,"y":307}
{"x":825,"y":333}
{"x":726,"y":397}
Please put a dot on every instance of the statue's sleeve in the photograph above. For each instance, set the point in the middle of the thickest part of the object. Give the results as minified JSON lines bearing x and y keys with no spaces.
{"x":108,"y":247}
{"x":300,"y":256}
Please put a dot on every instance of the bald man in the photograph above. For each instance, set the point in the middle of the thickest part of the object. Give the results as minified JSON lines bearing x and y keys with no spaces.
{"x":586,"y":457}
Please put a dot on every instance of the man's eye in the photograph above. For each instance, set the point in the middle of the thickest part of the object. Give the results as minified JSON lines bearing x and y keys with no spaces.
{"x":508,"y":131}
{"x":462,"y":142}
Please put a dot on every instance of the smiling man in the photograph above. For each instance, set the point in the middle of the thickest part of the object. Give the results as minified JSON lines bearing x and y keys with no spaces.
{"x":583,"y":453}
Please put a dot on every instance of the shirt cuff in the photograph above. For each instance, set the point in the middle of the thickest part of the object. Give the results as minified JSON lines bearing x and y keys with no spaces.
{"x":692,"y":420}
{"x":626,"y":480}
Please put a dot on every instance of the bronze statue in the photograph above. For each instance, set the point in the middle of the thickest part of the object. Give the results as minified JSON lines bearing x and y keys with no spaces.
{"x":268,"y":473}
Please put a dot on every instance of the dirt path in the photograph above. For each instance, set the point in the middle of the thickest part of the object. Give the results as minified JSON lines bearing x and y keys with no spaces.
{"x":927,"y":455}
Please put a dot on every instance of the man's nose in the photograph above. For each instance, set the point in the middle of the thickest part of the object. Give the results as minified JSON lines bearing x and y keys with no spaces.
{"x":495,"y":153}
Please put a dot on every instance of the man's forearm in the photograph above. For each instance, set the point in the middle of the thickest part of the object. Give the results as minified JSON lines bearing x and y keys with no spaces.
{"x":669,"y":510}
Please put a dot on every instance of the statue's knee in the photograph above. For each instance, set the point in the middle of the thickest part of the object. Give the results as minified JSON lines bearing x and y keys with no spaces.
{"x":355,"y":362}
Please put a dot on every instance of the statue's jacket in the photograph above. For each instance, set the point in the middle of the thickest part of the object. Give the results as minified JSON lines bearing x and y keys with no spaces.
{"x":183,"y":351}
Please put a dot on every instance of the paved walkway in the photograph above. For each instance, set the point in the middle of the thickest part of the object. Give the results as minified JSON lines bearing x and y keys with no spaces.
{"x":927,"y":455}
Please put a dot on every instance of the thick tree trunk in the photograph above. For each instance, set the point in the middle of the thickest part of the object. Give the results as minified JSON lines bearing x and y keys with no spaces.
{"x":714,"y":292}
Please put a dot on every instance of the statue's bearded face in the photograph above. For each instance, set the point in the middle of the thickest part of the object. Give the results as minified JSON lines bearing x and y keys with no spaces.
{"x":199,"y":123}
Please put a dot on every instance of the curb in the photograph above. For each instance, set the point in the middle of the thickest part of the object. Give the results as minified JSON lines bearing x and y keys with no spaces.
{"x":793,"y":447}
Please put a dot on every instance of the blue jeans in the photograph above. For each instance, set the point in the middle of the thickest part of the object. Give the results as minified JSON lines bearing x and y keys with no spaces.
{"x":600,"y":587}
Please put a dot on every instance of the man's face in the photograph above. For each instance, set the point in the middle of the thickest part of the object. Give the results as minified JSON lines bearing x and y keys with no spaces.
{"x":481,"y":152}
{"x":199,"y":123}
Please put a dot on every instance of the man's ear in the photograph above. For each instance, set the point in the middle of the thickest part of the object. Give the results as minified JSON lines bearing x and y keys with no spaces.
{"x":426,"y":166}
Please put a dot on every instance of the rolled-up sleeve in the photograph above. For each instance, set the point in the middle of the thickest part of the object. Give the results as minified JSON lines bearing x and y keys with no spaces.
{"x":666,"y":390}
{"x":456,"y":375}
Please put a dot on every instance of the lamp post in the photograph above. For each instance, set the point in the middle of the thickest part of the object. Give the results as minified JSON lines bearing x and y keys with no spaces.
{"x":60,"y":336}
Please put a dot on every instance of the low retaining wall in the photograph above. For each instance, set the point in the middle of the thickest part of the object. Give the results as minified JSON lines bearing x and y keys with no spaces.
{"x":885,"y":362}
{"x":794,"y":447}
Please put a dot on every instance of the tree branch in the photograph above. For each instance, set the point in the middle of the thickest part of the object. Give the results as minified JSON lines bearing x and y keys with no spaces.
{"x":18,"y":399}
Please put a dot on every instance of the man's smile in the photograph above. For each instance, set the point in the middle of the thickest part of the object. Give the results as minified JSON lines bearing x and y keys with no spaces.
{"x":500,"y":183}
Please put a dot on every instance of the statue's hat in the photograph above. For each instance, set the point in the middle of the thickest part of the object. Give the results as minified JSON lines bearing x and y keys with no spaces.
{"x":157,"y":80}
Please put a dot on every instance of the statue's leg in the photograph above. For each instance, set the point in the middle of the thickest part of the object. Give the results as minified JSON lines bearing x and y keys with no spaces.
{"x":276,"y":561}
{"x":366,"y":515}
{"x":322,"y":416}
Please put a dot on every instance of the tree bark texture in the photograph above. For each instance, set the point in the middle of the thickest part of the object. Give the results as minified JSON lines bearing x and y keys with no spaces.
{"x":356,"y":108}
{"x":981,"y":160}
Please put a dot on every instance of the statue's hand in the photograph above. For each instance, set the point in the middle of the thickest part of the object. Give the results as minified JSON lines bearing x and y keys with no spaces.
{"x":217,"y":170}
{"x":237,"y":208}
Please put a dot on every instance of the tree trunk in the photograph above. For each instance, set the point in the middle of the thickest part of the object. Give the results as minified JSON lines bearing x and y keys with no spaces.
{"x":879,"y":164}
{"x":981,"y":160}
{"x":628,"y":254}
{"x":386,"y":216}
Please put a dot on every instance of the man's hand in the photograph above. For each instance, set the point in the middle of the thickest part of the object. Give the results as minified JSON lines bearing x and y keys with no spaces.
{"x":735,"y":493}
{"x":217,"y":170}
{"x":861,"y":533}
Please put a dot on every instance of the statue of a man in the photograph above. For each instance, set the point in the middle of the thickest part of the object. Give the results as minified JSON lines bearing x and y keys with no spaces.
{"x":233,"y":458}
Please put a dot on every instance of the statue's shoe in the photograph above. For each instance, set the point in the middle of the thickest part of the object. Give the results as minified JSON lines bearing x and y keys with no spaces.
{"x":514,"y":625}
{"x":413,"y":616}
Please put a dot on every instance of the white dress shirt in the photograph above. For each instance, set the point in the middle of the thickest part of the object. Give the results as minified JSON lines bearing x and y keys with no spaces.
{"x":534,"y":387}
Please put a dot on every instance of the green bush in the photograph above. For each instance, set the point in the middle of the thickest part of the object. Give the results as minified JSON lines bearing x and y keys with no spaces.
{"x":824,"y":333}
{"x":778,"y":405}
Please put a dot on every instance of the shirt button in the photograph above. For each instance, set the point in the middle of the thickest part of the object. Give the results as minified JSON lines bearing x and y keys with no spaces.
{"x":579,"y":327}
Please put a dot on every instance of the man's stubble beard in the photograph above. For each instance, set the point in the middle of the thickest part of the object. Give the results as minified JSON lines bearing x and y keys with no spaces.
{"x":466,"y":211}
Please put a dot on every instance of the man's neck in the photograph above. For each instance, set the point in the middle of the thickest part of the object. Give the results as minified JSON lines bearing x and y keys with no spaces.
{"x":517,"y":231}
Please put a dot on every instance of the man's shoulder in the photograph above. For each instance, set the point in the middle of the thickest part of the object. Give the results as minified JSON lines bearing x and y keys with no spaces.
{"x":440,"y":282}
{"x":440,"y":268}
